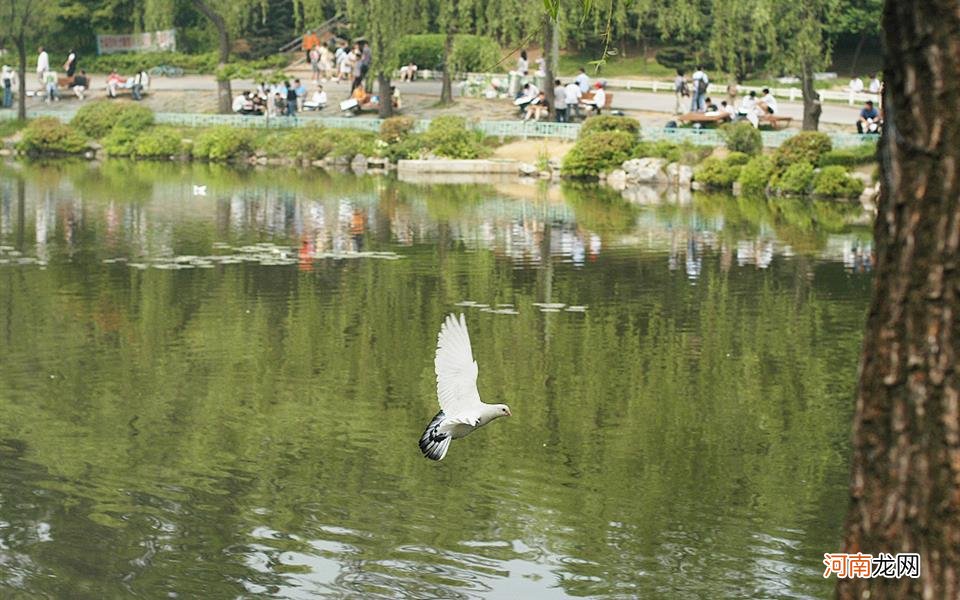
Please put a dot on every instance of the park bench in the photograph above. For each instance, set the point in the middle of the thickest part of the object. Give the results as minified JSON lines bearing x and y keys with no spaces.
{"x":775,"y":121}
{"x":607,"y":103}
{"x":125,"y":89}
{"x":704,"y":119}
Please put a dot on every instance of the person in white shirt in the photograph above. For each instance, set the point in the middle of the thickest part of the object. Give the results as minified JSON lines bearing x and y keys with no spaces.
{"x":767,"y":103}
{"x":317,"y":101}
{"x":583,"y":81}
{"x":43,"y":64}
{"x":748,"y":108}
{"x":599,"y":98}
{"x":541,"y":67}
{"x":9,"y":83}
{"x":875,"y":85}
{"x":856,"y":85}
{"x":572,"y":95}
{"x":728,"y":109}
{"x":559,"y":102}
{"x":523,"y":65}
{"x":700,"y":82}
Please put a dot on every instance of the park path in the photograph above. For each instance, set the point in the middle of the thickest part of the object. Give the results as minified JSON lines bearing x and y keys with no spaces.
{"x":834,"y":114}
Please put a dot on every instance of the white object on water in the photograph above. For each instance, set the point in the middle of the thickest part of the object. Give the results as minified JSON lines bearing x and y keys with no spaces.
{"x":461,"y":410}
{"x":199,"y":190}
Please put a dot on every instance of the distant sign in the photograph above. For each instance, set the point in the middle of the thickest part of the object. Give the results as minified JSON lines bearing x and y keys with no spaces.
{"x":151,"y":41}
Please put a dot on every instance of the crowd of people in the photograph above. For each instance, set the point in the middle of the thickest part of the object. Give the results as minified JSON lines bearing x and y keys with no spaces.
{"x":285,"y":98}
{"x":571,"y":101}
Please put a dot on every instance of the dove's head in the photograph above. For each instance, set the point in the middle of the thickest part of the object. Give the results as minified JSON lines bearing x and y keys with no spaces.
{"x":502,"y":410}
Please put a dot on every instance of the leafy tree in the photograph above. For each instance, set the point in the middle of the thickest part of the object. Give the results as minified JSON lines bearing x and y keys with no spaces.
{"x":21,"y":21}
{"x":742,"y":36}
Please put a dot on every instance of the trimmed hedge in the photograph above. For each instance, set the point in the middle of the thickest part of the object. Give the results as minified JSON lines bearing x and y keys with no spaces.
{"x":597,"y":153}
{"x":158,"y":142}
{"x":755,"y":175}
{"x":807,"y":146}
{"x":47,"y":135}
{"x":609,"y":123}
{"x":223,"y":143}
{"x":721,"y":173}
{"x":97,"y":119}
{"x":742,"y":137}
{"x":450,"y":137}
{"x":394,"y":129}
{"x":834,"y":182}
{"x":795,"y":180}
{"x":863,"y":154}
{"x":684,"y":153}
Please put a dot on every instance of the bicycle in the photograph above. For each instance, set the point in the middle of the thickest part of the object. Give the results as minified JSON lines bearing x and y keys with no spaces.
{"x":166,"y":71}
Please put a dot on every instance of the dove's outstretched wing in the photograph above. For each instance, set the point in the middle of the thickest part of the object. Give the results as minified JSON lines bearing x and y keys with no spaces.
{"x":456,"y":369}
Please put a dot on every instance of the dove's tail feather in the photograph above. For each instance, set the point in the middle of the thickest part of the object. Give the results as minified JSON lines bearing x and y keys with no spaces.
{"x":434,"y":444}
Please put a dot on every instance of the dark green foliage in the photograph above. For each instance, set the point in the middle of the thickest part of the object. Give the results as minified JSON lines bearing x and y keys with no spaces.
{"x":597,"y":153}
{"x":48,"y":135}
{"x":223,"y":143}
{"x":833,"y":181}
{"x":9,"y":127}
{"x":755,"y":175}
{"x":450,"y":137}
{"x":863,"y":154}
{"x":796,"y":179}
{"x":157,"y":142}
{"x":737,"y":159}
{"x":742,"y":137}
{"x":206,"y":63}
{"x":412,"y":146}
{"x":807,"y":146}
{"x":609,"y":123}
{"x":394,"y":129}
{"x":469,"y":52}
{"x":311,"y":143}
{"x":96,"y":119}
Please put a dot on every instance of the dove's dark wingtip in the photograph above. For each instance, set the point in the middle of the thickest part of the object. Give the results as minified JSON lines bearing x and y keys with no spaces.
{"x":434,"y":444}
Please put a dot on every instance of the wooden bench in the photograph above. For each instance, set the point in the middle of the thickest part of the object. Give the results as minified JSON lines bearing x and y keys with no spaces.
{"x":775,"y":121}
{"x":607,"y":102}
{"x":704,"y":119}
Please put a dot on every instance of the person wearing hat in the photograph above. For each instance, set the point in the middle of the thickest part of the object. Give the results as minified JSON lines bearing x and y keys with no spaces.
{"x":599,"y":98}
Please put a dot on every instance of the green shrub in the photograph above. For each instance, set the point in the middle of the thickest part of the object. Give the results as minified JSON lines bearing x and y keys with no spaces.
{"x":737,"y":159}
{"x":742,"y":137}
{"x":833,"y":181}
{"x":609,"y":123}
{"x":394,"y":129}
{"x":863,"y":154}
{"x":47,"y":135}
{"x":9,"y":127}
{"x":411,"y":146}
{"x":348,"y":143}
{"x":755,"y":175}
{"x":717,"y":173}
{"x":450,"y":137}
{"x":599,"y":152}
{"x":96,"y":119}
{"x":119,"y":142}
{"x":796,"y":179}
{"x":158,"y":142}
{"x":469,"y":52}
{"x":223,"y":143}
{"x":128,"y":64}
{"x":309,"y":143}
{"x":807,"y":146}
{"x":684,"y":153}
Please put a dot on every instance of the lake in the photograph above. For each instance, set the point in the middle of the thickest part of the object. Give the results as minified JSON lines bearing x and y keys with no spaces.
{"x":212,"y":384}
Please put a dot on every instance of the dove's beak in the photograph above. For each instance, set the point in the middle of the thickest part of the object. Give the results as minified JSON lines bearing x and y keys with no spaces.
{"x":509,"y":414}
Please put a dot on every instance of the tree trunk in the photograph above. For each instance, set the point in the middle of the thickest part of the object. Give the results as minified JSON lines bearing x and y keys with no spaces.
{"x":548,"y":68}
{"x":905,"y":478}
{"x":811,"y":100}
{"x":446,"y":89}
{"x":22,"y":78}
{"x":386,"y":96}
{"x":857,"y":51}
{"x":224,"y":93}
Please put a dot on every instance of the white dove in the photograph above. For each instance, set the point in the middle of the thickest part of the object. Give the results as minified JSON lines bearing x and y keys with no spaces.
{"x":461,"y":410}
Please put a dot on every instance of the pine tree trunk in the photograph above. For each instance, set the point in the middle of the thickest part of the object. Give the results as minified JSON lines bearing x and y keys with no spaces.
{"x":811,"y":100}
{"x":548,"y":32}
{"x":224,"y":93}
{"x":446,"y":89}
{"x":386,"y":96}
{"x":905,"y":479}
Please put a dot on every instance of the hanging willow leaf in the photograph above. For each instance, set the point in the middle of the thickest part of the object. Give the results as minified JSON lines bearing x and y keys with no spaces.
{"x":552,"y":7}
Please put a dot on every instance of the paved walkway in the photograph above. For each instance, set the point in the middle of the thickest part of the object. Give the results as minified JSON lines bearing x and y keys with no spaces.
{"x":622,"y":99}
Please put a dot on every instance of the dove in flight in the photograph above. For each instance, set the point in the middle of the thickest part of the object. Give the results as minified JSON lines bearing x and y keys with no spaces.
{"x":461,"y":410}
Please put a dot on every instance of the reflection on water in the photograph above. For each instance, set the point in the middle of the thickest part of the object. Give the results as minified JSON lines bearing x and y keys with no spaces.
{"x":220,"y":395}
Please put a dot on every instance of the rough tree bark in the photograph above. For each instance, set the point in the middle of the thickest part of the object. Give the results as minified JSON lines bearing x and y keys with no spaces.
{"x":446,"y":89}
{"x":811,"y":99}
{"x":905,"y":479}
{"x":386,"y":95}
{"x":21,"y":76}
{"x":548,"y":68}
{"x":224,"y":93}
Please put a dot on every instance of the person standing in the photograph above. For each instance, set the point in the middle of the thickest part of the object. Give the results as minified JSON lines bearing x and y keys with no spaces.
{"x":43,"y":64}
{"x":583,"y":81}
{"x":700,"y":85}
{"x":366,"y":60}
{"x":357,"y":72}
{"x":681,"y":90}
{"x":9,"y":77}
{"x":559,"y":101}
{"x":291,"y":100}
{"x":523,"y":65}
{"x":315,"y":63}
{"x":571,"y":96}
{"x":70,"y":66}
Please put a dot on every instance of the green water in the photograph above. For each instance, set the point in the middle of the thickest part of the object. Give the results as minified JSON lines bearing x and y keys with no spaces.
{"x":176,"y":426}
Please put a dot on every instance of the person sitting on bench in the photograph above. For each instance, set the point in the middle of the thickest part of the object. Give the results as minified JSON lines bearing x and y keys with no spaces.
{"x":599,"y":98}
{"x":869,"y":121}
{"x":318,"y":101}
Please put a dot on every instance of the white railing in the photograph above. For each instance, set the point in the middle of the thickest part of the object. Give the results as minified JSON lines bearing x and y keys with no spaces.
{"x":501,"y":129}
